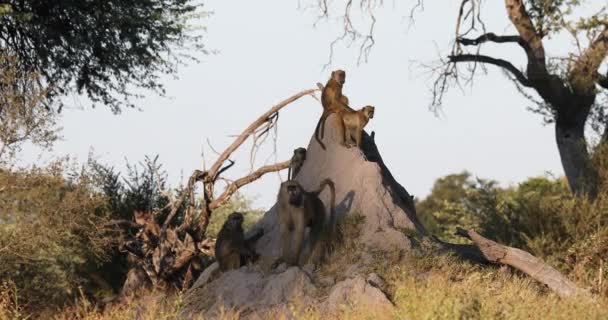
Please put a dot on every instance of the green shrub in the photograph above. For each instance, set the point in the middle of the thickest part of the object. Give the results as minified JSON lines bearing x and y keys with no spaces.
{"x":53,"y":233}
{"x":539,"y":215}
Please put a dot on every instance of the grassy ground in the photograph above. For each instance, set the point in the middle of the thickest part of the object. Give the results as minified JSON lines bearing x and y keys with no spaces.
{"x":422,"y":286}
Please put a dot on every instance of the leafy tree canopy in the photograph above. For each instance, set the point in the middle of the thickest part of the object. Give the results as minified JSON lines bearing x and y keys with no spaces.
{"x":103,"y":49}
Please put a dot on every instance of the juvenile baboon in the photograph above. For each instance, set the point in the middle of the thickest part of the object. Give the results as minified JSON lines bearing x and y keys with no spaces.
{"x":297,"y":161}
{"x":332,"y":100}
{"x":232,"y":250}
{"x":351,"y":124}
{"x":298,"y":209}
{"x":150,"y":231}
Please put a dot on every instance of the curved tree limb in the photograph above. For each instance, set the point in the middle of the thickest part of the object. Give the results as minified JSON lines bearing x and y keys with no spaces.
{"x":213,"y":171}
{"x":491,"y":37}
{"x":497,"y":62}
{"x":523,"y":261}
{"x":530,"y":37}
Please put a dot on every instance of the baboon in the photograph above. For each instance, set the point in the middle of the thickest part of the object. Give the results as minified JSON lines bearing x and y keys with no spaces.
{"x":332,"y":100}
{"x":297,"y":161}
{"x":232,"y":250}
{"x":150,"y":231}
{"x":351,"y":123}
{"x":298,"y":209}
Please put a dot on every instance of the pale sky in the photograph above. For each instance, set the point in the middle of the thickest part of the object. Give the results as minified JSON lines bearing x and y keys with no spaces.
{"x":269,"y":50}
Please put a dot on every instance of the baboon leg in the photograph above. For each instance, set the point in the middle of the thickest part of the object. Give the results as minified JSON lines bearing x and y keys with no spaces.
{"x":341,"y":129}
{"x":348,"y":138}
{"x":233,"y":261}
{"x":358,"y":136}
{"x":298,"y":241}
{"x":285,"y":235}
{"x":316,"y":252}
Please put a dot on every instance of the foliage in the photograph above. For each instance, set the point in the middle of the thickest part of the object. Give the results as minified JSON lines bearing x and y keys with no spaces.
{"x":53,"y":233}
{"x":138,"y":189}
{"x":23,"y":115}
{"x":449,"y":205}
{"x":539,"y":215}
{"x":99,"y":48}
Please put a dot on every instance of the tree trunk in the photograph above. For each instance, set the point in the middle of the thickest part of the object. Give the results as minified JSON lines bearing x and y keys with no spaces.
{"x":573,"y":152}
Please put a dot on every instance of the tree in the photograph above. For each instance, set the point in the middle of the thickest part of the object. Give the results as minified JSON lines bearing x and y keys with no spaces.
{"x":22,"y":114}
{"x":104,"y":49}
{"x":173,"y":240}
{"x":570,"y":88}
{"x":54,"y":234}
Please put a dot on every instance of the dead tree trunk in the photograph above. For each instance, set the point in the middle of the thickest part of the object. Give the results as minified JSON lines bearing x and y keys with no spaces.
{"x":166,"y":255}
{"x":523,"y":261}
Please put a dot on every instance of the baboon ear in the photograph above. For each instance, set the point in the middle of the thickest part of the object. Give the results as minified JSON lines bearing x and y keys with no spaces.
{"x":333,"y":73}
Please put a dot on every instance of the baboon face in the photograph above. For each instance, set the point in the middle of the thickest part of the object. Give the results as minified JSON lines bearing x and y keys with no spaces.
{"x":294,"y":191}
{"x":235,"y":219}
{"x":339,"y":76}
{"x":369,"y":111}
{"x":300,"y":153}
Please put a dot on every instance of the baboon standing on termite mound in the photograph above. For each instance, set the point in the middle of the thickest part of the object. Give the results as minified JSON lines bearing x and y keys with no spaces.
{"x":298,"y":209}
{"x":232,"y":250}
{"x":332,"y":100}
{"x":351,"y":123}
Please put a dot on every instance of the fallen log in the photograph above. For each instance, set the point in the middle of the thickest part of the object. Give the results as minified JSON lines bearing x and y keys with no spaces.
{"x":523,"y":261}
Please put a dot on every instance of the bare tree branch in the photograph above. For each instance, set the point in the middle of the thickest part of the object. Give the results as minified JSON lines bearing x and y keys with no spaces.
{"x":489,"y":37}
{"x":231,"y":189}
{"x":497,"y":62}
{"x":212,"y":173}
{"x":196,"y":176}
{"x":585,"y":69}
{"x":222,"y":170}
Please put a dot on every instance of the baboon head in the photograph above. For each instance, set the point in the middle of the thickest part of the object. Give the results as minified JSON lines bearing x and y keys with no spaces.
{"x":300,"y":153}
{"x":339,"y":76}
{"x":294,"y":192}
{"x":369,"y":111}
{"x":235,"y":220}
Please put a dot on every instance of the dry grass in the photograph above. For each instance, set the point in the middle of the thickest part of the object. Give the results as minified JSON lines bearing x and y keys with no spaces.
{"x":422,"y":286}
{"x":428,"y":287}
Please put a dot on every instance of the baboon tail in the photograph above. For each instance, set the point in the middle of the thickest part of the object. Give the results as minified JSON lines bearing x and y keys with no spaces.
{"x":332,"y":204}
{"x":317,"y":132}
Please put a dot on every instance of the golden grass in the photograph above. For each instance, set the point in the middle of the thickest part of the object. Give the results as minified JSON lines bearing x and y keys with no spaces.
{"x":422,"y":286}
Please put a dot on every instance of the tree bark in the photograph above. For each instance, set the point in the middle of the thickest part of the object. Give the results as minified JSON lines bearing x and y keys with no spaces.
{"x":523,"y":261}
{"x":573,"y":154}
